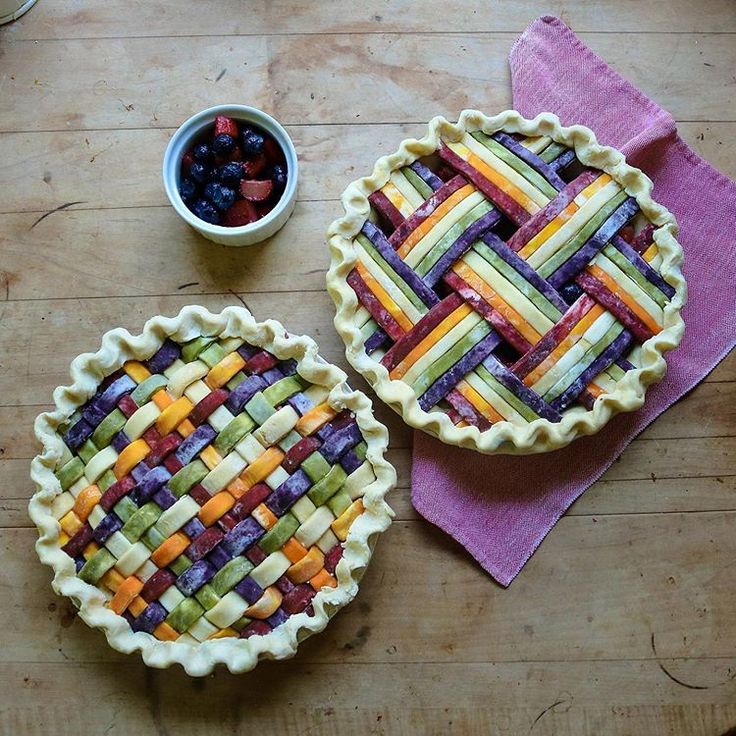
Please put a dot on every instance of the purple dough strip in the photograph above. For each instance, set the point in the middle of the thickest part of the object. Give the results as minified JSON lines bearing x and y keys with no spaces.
{"x":522,"y":392}
{"x":249,"y":589}
{"x":385,"y":248}
{"x":163,"y":357}
{"x":272,"y":375}
{"x":193,"y":528}
{"x":277,"y":618}
{"x":608,"y":356}
{"x":107,"y":527}
{"x":625,"y":365}
{"x":195,"y":443}
{"x":120,"y":441}
{"x":244,"y":392}
{"x":564,"y":159}
{"x":300,"y":403}
{"x":463,"y":243}
{"x":581,"y":258}
{"x":447,"y":381}
{"x":164,"y":498}
{"x":642,"y":266}
{"x":78,"y":434}
{"x":426,"y":175}
{"x":79,"y":562}
{"x":194,"y":577}
{"x":522,"y":267}
{"x":151,"y":616}
{"x":219,"y":557}
{"x":248,"y":351}
{"x":375,"y":341}
{"x":350,"y":462}
{"x":530,"y":158}
{"x":140,"y":471}
{"x":107,"y":380}
{"x":100,"y":407}
{"x":284,"y":584}
{"x":539,"y":221}
{"x":150,"y":484}
{"x":288,"y":493}
{"x":242,"y":535}
{"x":288,"y":367}
{"x":339,"y":442}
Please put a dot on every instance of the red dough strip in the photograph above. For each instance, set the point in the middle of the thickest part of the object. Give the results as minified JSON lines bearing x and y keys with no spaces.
{"x":612,"y":303}
{"x":543,"y":218}
{"x":204,"y":543}
{"x":466,"y":410}
{"x":157,"y":585}
{"x":299,"y":452}
{"x":207,"y":405}
{"x":424,"y":210}
{"x":249,"y":500}
{"x":370,"y":302}
{"x":79,"y":541}
{"x":426,"y":324}
{"x":116,"y":491}
{"x":261,"y":362}
{"x":502,"y":200}
{"x":386,"y":208}
{"x":163,"y":448}
{"x":644,"y":238}
{"x":480,"y":305}
{"x":527,"y":363}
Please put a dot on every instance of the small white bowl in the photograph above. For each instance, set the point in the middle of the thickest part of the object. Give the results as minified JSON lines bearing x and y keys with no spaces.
{"x":181,"y":141}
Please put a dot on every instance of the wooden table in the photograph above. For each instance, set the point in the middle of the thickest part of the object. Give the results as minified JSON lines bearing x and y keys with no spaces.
{"x":624,"y":622}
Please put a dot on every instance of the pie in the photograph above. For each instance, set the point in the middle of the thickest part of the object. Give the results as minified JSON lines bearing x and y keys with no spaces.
{"x":506,"y":284}
{"x":210,"y":490}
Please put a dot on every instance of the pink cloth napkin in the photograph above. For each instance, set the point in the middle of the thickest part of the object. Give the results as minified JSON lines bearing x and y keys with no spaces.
{"x":501,"y":507}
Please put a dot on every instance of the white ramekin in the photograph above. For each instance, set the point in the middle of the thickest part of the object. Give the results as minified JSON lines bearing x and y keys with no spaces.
{"x":180,"y":143}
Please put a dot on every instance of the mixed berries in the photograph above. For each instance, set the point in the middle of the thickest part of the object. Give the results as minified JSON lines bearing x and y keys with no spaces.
{"x":234,"y":175}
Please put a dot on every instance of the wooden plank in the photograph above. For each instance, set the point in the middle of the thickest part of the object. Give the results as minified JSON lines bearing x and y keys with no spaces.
{"x":44,"y":170}
{"x":484,"y":699}
{"x":420,"y":75}
{"x":117,"y":18}
{"x":601,"y":587}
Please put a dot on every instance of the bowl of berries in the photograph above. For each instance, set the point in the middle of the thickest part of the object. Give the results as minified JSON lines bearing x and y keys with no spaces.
{"x":231,"y":173}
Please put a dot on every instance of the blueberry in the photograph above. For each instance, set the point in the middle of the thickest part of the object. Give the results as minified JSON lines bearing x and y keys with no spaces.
{"x":252,"y":141}
{"x":223,"y":144}
{"x":206,"y":211}
{"x":230,"y":174}
{"x":187,"y":189}
{"x":200,"y":172}
{"x":278,"y":174}
{"x":202,"y":153}
{"x":570,"y":292}
{"x":220,"y":196}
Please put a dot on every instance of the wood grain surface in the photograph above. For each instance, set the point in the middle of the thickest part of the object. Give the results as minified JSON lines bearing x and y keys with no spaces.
{"x":623,"y":623}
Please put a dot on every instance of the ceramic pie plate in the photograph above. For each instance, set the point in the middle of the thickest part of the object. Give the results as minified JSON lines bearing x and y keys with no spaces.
{"x":209,"y":491}
{"x":505,"y":284}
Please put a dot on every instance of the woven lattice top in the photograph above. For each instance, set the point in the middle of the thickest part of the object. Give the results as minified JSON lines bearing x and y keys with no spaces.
{"x":206,"y":492}
{"x":502,"y":280}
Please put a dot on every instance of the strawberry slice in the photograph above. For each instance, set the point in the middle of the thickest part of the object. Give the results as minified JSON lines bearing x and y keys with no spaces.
{"x":225,"y":125}
{"x":254,"y":165}
{"x":242,"y":212}
{"x":186,"y":162}
{"x":273,"y":151}
{"x":255,"y":190}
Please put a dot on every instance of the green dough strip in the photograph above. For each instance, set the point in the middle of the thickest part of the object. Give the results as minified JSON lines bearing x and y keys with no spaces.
{"x":106,"y":480}
{"x":316,"y":467}
{"x":191,"y":350}
{"x":125,"y":508}
{"x":87,"y":451}
{"x":328,"y":486}
{"x":635,"y":275}
{"x":153,"y":538}
{"x":339,"y":502}
{"x":578,"y":241}
{"x":417,"y":182}
{"x":235,"y":430}
{"x":278,"y":535}
{"x":111,"y":425}
{"x":185,"y":615}
{"x":521,"y":167}
{"x":452,"y":356}
{"x":96,"y":566}
{"x":278,"y":392}
{"x":212,"y":355}
{"x":444,"y":243}
{"x":553,"y":151}
{"x":145,"y":389}
{"x":259,"y":408}
{"x":230,"y":574}
{"x":181,"y":564}
{"x":529,"y":414}
{"x":235,"y":381}
{"x":187,"y":477}
{"x":207,"y":597}
{"x":141,"y":520}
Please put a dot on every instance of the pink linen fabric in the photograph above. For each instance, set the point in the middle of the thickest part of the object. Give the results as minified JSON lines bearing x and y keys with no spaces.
{"x":500,"y":507}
